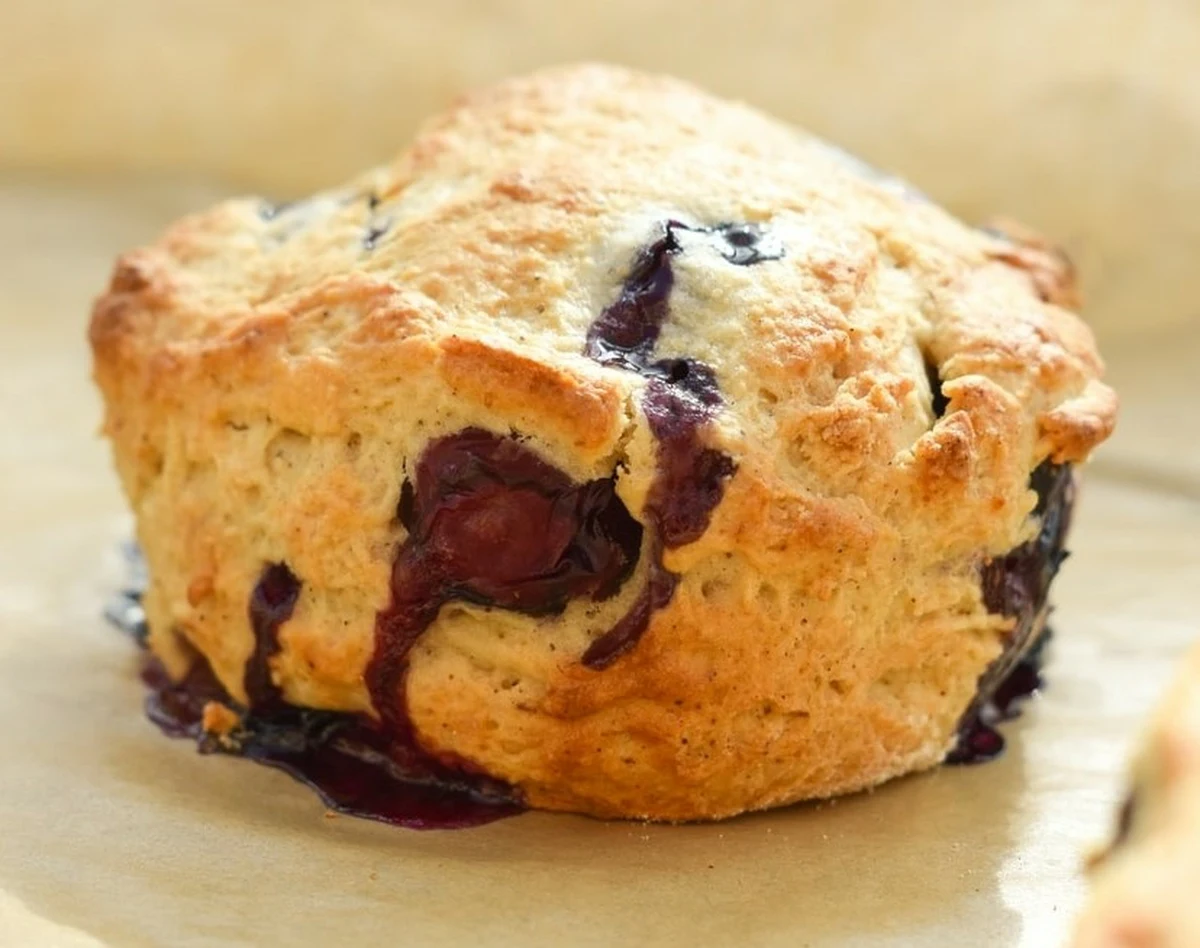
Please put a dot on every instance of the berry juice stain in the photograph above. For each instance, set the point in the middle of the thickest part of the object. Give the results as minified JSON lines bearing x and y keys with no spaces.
{"x":352,"y":764}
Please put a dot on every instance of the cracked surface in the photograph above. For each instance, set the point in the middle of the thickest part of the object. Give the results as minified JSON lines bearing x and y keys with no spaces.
{"x":271,"y":381}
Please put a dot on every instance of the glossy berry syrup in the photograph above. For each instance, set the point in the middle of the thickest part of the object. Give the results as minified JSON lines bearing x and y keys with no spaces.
{"x":1017,"y":585}
{"x":681,"y":396}
{"x":347,"y":759}
{"x":490,"y":522}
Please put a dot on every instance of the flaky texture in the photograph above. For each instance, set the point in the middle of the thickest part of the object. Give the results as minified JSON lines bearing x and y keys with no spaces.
{"x":270,"y":377}
{"x":1146,"y":885}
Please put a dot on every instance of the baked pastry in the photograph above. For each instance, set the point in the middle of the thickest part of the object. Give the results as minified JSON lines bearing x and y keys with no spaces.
{"x":1146,"y":883}
{"x":617,"y":442}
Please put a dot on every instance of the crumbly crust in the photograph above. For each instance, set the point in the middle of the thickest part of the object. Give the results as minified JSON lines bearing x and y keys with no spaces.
{"x":1146,"y":884}
{"x":271,"y":374}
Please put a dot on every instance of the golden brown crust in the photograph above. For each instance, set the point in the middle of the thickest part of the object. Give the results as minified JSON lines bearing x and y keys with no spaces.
{"x":269,"y":373}
{"x":585,"y":412}
{"x":1145,"y":885}
{"x":1049,"y":268}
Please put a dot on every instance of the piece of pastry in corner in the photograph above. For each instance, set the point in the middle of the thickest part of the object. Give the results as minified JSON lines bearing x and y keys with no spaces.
{"x":1146,"y":885}
{"x":622,"y":445}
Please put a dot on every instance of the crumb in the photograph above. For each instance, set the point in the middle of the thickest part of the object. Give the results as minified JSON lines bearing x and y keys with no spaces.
{"x":219,"y":719}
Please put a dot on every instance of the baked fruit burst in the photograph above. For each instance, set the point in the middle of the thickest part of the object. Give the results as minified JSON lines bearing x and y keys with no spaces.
{"x":614,"y":449}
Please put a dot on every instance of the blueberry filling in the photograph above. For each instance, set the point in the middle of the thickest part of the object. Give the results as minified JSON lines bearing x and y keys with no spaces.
{"x":492,"y":523}
{"x":747,"y":244}
{"x":978,"y":739}
{"x":659,"y":588}
{"x":1017,"y":585}
{"x":271,"y":604}
{"x":939,"y":402}
{"x":374,"y":232}
{"x":347,"y":759}
{"x":680,"y":398}
{"x":358,"y":766}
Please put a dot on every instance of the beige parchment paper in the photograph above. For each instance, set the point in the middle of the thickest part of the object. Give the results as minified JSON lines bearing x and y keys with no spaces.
{"x":113,"y":835}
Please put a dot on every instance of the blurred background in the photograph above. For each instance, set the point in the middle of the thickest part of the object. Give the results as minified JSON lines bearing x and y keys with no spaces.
{"x":1079,"y":117}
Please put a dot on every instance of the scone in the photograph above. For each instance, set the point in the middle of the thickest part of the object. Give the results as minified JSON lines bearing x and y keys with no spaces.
{"x":1146,"y":885}
{"x":643,"y":454}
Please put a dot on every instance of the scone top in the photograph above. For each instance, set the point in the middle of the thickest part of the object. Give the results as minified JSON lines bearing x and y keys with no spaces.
{"x":887,"y":379}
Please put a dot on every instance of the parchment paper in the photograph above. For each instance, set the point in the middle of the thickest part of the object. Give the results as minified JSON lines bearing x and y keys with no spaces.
{"x":112,"y":835}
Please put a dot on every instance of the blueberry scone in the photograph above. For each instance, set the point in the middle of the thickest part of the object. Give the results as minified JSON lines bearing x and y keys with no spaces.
{"x":1146,"y":885}
{"x":614,"y":446}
